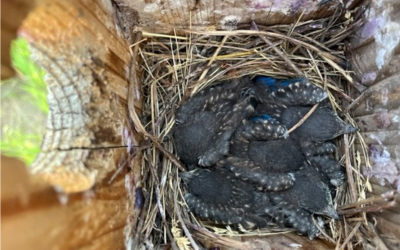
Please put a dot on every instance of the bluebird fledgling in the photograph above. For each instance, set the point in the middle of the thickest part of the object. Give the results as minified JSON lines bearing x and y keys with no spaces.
{"x":330,"y":169}
{"x":277,"y":155}
{"x":287,"y":215}
{"x":287,"y":92}
{"x":309,"y":195}
{"x":257,"y":175}
{"x":248,"y":157}
{"x":322,"y":125}
{"x":262,"y":127}
{"x":318,"y":154}
{"x":265,"y":162}
{"x":217,"y":195}
{"x":311,"y":148}
{"x":269,"y":163}
{"x":206,"y":122}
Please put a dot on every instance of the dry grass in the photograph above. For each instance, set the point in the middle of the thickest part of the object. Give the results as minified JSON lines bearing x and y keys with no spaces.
{"x":176,"y":66}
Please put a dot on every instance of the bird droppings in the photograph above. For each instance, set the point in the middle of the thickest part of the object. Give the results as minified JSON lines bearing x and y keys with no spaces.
{"x":381,"y":26}
{"x":383,"y":167}
{"x":368,"y":78}
{"x":382,"y":120}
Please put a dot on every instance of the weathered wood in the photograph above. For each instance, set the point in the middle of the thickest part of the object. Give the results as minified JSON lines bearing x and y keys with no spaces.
{"x":165,"y":16}
{"x":384,"y":95}
{"x":389,"y":231}
{"x":87,"y":64}
{"x":375,"y":59}
{"x":35,"y":216}
{"x":87,"y":61}
{"x":373,"y":51}
{"x":383,"y":120}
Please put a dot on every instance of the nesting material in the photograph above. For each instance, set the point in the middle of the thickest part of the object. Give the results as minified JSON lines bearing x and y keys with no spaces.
{"x":177,"y":66}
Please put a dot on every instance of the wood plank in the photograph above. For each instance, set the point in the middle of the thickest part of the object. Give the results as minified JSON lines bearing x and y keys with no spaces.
{"x":87,"y":64}
{"x":35,"y":216}
{"x":390,"y":232}
{"x":383,"y":96}
{"x":165,"y":16}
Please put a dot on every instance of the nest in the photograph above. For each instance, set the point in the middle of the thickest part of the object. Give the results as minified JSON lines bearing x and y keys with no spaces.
{"x":177,"y":66}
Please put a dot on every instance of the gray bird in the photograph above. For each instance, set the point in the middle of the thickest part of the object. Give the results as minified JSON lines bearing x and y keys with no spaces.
{"x":289,"y":100}
{"x":311,"y":148}
{"x":215,"y":194}
{"x":270,"y":163}
{"x":266,"y":164}
{"x":288,"y":92}
{"x":261,"y":127}
{"x":318,"y":155}
{"x":255,"y":174}
{"x":309,"y":195}
{"x":206,"y":122}
{"x":247,"y":155}
{"x":330,"y":169}
{"x":322,"y":125}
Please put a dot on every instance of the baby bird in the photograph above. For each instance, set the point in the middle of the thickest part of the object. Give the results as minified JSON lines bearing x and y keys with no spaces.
{"x":270,"y":163}
{"x":317,"y":154}
{"x":299,"y":91}
{"x":322,"y":125}
{"x":330,"y":169}
{"x":206,"y":122}
{"x":289,"y":100}
{"x":215,"y":194}
{"x":309,"y":195}
{"x":247,"y":157}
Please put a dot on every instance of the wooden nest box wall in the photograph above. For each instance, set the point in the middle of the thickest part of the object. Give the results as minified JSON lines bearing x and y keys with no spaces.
{"x":80,"y":194}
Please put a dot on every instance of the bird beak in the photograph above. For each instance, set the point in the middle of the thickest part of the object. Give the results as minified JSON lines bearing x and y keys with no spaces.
{"x":331,"y":212}
{"x":349,"y":129}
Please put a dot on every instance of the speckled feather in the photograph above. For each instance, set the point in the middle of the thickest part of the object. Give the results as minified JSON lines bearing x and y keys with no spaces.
{"x":218,"y":196}
{"x":269,"y":163}
{"x":205,"y":123}
{"x":330,"y":168}
{"x":288,"y":92}
{"x":322,"y":125}
{"x":309,"y":195}
{"x":255,"y":181}
{"x":262,"y":179}
{"x":311,"y":148}
{"x":261,"y":128}
{"x":249,"y":160}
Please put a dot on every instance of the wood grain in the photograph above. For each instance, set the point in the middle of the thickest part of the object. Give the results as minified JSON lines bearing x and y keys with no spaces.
{"x":36,"y":216}
{"x":86,"y":60}
{"x":378,"y":109}
{"x":165,"y":16}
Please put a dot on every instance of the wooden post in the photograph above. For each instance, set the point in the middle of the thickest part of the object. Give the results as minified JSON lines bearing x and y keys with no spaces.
{"x":87,"y":64}
{"x":71,"y":201}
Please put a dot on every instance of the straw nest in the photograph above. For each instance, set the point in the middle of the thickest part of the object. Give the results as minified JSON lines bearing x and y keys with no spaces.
{"x":176,"y":66}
